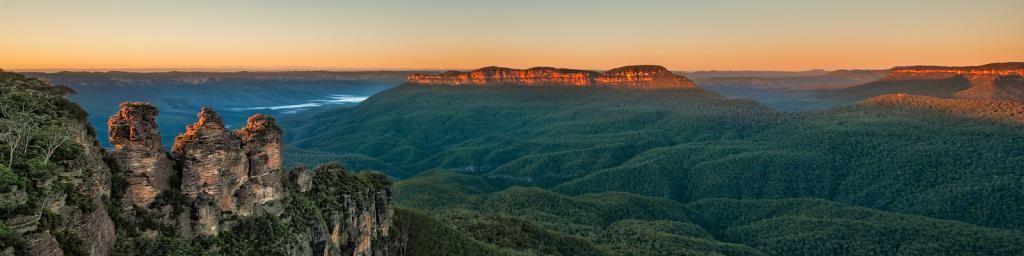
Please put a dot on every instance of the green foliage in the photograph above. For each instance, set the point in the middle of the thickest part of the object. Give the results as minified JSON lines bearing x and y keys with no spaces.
{"x":77,"y":199}
{"x":10,"y":238}
{"x":666,"y":238}
{"x":616,"y":223}
{"x":260,"y":235}
{"x":538,"y":221}
{"x":40,"y":169}
{"x":70,"y":243}
{"x":8,"y":179}
{"x":169,"y":246}
{"x":817,"y":227}
{"x":518,"y":234}
{"x":49,"y":220}
{"x":428,"y":236}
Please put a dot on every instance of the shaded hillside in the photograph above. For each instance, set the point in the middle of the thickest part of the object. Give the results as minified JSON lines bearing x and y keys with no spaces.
{"x":831,"y":80}
{"x":1008,"y":111}
{"x":941,"y":88}
{"x":791,"y":93}
{"x":996,"y":81}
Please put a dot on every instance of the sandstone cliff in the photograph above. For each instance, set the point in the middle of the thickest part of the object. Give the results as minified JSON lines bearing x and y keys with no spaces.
{"x":637,"y":77}
{"x":137,"y":149}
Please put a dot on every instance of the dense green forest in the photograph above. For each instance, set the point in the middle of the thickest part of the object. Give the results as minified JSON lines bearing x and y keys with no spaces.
{"x":620,"y":171}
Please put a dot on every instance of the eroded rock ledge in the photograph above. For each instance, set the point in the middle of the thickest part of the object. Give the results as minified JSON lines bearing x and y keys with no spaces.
{"x":638,"y":77}
{"x":971,"y":72}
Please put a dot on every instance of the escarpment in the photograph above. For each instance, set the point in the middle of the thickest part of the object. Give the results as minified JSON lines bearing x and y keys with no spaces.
{"x":972,"y":72}
{"x":997,"y":81}
{"x":637,"y":77}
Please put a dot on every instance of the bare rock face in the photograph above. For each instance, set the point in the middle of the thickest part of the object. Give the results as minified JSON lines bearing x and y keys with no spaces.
{"x":229,"y":174}
{"x":261,"y":143}
{"x":635,"y":77}
{"x":137,"y":149}
{"x":213,"y":169}
{"x":43,"y":243}
{"x":645,"y":77}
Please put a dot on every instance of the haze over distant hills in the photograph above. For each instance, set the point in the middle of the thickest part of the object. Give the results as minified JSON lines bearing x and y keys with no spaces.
{"x":237,"y":95}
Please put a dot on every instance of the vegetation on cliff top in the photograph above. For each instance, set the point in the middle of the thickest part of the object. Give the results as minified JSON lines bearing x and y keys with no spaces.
{"x":40,"y":155}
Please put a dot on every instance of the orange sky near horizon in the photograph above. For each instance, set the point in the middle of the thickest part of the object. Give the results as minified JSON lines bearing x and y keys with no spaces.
{"x":598,"y":35}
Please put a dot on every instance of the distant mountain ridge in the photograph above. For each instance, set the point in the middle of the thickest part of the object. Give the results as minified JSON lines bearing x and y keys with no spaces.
{"x":639,"y":76}
{"x":995,"y":81}
{"x":177,"y":77}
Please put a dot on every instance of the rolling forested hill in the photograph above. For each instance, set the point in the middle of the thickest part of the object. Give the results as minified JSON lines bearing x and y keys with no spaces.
{"x":616,"y":171}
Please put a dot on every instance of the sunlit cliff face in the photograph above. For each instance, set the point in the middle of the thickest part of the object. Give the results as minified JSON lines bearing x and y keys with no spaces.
{"x":645,"y":77}
{"x":988,"y":72}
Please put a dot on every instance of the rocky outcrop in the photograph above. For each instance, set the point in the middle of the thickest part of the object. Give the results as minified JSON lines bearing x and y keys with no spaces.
{"x":637,"y":77}
{"x":261,"y":143}
{"x":228,"y":174}
{"x":225,"y":178}
{"x":138,"y":151}
{"x":646,"y":76}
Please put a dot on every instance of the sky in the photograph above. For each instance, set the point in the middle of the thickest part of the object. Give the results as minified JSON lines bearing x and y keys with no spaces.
{"x":595,"y":34}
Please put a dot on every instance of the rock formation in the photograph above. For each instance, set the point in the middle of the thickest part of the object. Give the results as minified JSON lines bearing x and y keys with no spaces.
{"x":139,"y":152}
{"x":638,"y":77}
{"x":216,"y":180}
{"x":228,"y":174}
{"x":261,"y":143}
